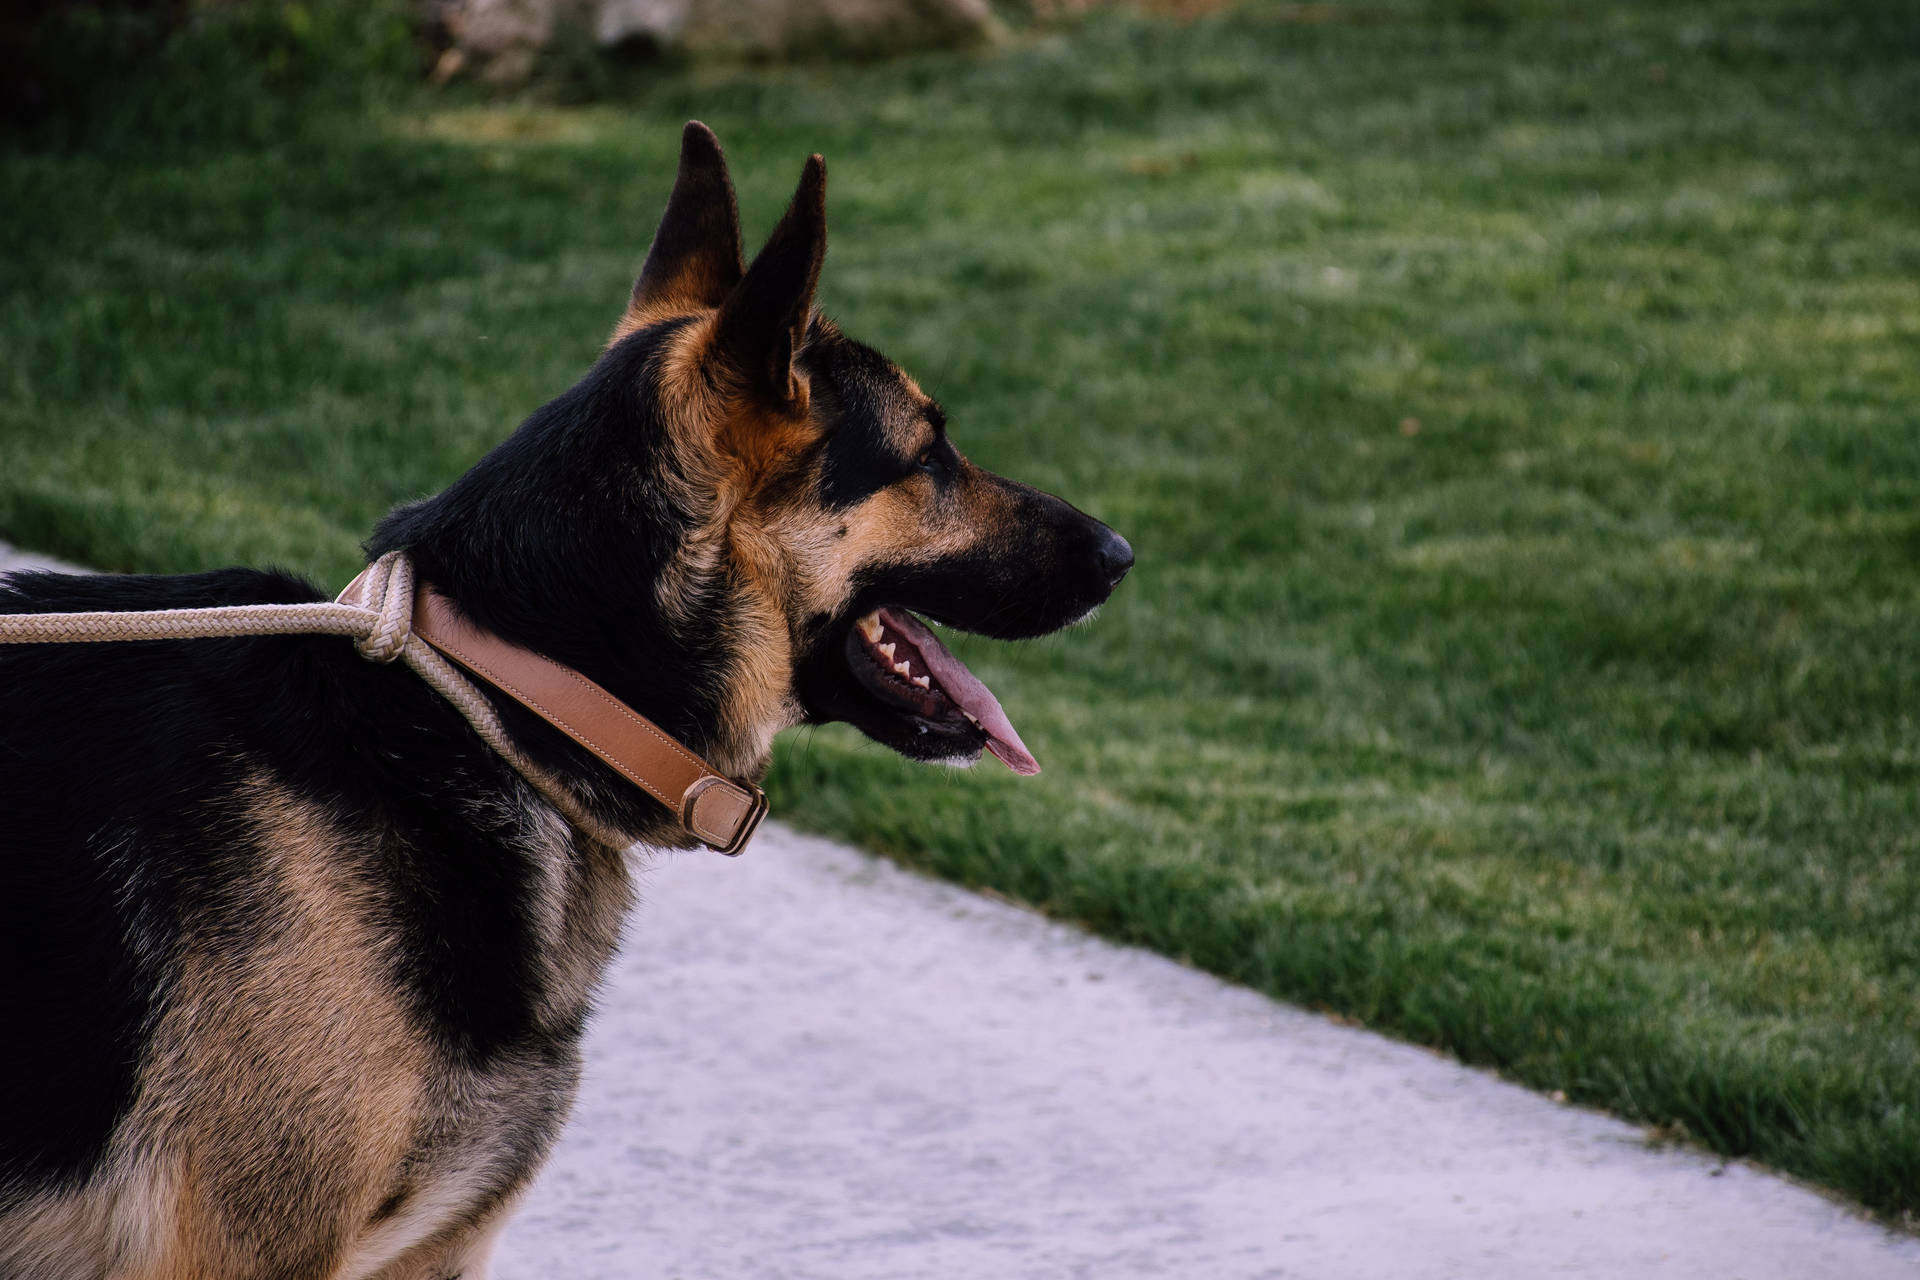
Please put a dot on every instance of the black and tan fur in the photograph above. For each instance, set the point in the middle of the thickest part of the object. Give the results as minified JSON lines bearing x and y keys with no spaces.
{"x":296,"y":967}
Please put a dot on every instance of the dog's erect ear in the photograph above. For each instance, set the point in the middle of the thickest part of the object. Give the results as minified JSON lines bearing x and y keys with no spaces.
{"x":764,"y":321}
{"x":695,"y":258}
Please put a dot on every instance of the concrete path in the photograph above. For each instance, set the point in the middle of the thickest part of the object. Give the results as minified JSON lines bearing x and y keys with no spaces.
{"x":812,"y":1065}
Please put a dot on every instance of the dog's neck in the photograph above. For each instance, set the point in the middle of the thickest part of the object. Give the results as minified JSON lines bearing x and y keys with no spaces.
{"x":568,"y":539}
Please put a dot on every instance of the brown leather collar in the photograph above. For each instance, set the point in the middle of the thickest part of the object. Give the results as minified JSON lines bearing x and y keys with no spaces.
{"x":719,"y":811}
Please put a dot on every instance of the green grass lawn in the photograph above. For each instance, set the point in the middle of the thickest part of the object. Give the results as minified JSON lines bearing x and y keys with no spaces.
{"x":1517,"y":419}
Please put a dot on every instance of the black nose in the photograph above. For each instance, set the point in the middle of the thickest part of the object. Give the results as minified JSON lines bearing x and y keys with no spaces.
{"x":1115,"y":558}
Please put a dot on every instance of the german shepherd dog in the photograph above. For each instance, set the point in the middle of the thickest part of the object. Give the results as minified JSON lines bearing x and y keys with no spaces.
{"x":297,"y":966}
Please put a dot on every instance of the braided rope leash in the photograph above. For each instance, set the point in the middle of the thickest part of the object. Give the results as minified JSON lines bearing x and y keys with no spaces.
{"x":382,"y":632}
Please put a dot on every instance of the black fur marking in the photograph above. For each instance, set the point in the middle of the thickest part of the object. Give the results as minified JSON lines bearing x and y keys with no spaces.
{"x":83,"y":972}
{"x":855,"y":386}
{"x":764,"y":322}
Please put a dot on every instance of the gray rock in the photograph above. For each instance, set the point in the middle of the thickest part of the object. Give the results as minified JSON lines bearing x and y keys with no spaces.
{"x":500,"y":41}
{"x":771,"y":28}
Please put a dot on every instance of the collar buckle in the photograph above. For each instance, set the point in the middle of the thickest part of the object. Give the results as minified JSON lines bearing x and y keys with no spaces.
{"x":723,"y":813}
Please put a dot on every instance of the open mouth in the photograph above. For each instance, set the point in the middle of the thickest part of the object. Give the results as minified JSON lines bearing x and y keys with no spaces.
{"x":930,"y":693}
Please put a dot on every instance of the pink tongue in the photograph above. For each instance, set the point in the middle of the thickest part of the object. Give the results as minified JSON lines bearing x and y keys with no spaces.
{"x":967,"y":692}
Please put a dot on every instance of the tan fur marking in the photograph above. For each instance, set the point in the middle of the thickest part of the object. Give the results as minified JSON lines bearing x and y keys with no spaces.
{"x":287,"y":1093}
{"x":278,"y":1096}
{"x":901,"y":524}
{"x":56,"y":1237}
{"x":727,"y":448}
{"x":794,"y":563}
{"x":292,"y":1075}
{"x":640,"y":316}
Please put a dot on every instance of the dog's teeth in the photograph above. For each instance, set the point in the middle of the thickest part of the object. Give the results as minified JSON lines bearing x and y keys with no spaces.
{"x":870,"y":627}
{"x":886,"y":651}
{"x":925,"y":682}
{"x":902,"y":669}
{"x":919,"y":728}
{"x":972,"y":717}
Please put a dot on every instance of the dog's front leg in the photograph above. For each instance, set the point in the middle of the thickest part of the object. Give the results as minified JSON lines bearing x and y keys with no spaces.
{"x":463,"y":1253}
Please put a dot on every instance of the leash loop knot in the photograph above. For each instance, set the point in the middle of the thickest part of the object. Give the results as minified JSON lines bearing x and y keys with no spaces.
{"x":388,"y":593}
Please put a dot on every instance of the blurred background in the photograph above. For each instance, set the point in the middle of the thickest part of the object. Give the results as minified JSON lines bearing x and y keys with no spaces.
{"x":1515,"y":408}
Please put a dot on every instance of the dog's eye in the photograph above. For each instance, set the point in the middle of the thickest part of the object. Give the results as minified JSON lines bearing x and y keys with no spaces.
{"x":936,"y":460}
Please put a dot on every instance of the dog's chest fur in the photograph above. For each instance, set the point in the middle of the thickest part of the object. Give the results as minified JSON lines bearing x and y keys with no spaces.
{"x":477,"y":1123}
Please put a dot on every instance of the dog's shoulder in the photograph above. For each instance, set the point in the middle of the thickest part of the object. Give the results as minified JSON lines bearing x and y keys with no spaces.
{"x":111,"y":785}
{"x":186,"y":798}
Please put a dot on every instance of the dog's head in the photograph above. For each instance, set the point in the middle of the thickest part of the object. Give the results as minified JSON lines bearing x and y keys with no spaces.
{"x":738,"y":521}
